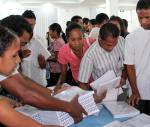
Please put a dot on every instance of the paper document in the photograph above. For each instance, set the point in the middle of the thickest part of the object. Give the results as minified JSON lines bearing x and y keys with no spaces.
{"x":117,"y":124}
{"x":62,"y":118}
{"x":85,"y":98}
{"x":141,"y":120}
{"x":106,"y":77}
{"x":120,"y":109}
{"x":108,"y":82}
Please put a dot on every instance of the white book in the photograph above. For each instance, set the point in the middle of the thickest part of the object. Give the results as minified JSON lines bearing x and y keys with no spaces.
{"x":141,"y":120}
{"x":107,"y":82}
{"x":106,"y":77}
{"x":117,"y":124}
{"x":62,"y":118}
{"x":85,"y":98}
{"x":120,"y":109}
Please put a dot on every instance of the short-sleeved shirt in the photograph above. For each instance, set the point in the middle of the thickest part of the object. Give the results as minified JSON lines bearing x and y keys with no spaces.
{"x":94,"y":32}
{"x":55,"y":46}
{"x":30,"y":64}
{"x":66,"y":56}
{"x":3,"y":77}
{"x":97,"y":61}
{"x":137,"y":52}
{"x":88,"y":41}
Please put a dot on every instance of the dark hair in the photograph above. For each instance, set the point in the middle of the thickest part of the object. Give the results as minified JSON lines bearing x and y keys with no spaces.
{"x":68,"y":22}
{"x":100,"y":18}
{"x":93,"y":21}
{"x":29,"y":14}
{"x":56,"y":27}
{"x":119,"y":20}
{"x":6,"y":39}
{"x":125,"y":23}
{"x":75,"y":18}
{"x":71,"y":27}
{"x":108,"y":29}
{"x":143,"y":4}
{"x":17,"y":23}
{"x":85,"y":20}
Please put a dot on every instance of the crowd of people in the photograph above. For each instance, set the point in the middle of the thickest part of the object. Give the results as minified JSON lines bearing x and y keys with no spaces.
{"x":86,"y":51}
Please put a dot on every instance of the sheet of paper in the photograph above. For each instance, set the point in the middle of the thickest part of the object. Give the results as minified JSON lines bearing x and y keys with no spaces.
{"x":120,"y":109}
{"x":62,"y":118}
{"x":106,"y":77}
{"x":117,"y":124}
{"x":141,"y":120}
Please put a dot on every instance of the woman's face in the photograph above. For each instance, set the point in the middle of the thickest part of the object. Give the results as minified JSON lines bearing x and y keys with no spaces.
{"x":52,"y":33}
{"x":75,"y":39}
{"x":10,"y":58}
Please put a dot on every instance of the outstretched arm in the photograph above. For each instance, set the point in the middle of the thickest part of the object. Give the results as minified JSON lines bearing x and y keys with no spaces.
{"x":135,"y":97}
{"x":29,"y":92}
{"x":11,"y":118}
{"x":62,"y":77}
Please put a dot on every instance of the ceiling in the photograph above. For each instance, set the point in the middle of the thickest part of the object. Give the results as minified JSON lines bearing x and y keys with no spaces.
{"x":74,"y":2}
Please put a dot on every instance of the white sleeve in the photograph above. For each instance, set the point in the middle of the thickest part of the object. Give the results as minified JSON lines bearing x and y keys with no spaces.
{"x":129,"y":51}
{"x":3,"y":77}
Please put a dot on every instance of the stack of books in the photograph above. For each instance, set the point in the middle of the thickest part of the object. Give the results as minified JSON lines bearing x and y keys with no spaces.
{"x":108,"y":82}
{"x":62,"y":118}
{"x":120,"y":109}
{"x":141,"y":120}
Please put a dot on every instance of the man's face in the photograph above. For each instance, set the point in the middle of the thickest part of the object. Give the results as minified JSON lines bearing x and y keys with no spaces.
{"x":144,"y":18}
{"x":10,"y":58}
{"x":32,"y":22}
{"x":80,"y":22}
{"x":108,"y":43}
{"x":24,"y":39}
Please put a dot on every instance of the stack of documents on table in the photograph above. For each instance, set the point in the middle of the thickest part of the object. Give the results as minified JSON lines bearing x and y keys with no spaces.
{"x":141,"y":120}
{"x":108,"y":82}
{"x":117,"y":124}
{"x":120,"y":109}
{"x":62,"y":118}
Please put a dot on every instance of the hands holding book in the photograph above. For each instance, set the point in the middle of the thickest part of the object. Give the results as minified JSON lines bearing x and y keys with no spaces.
{"x":100,"y":97}
{"x":76,"y":110}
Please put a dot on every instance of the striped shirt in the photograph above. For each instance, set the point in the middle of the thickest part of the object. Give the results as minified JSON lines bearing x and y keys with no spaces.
{"x":97,"y":61}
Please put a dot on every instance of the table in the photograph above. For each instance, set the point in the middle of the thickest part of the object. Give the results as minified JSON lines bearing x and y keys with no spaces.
{"x":99,"y":120}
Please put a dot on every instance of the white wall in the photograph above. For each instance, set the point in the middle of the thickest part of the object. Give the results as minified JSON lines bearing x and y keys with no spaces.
{"x":65,"y":14}
{"x":44,"y":17}
{"x":47,"y":15}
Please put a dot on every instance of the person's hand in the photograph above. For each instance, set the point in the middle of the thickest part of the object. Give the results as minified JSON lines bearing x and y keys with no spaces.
{"x":57,"y":88}
{"x":63,"y":88}
{"x":11,"y":102}
{"x":42,"y":61}
{"x":76,"y":110}
{"x":24,"y":53}
{"x":134,"y":99}
{"x":100,"y":97}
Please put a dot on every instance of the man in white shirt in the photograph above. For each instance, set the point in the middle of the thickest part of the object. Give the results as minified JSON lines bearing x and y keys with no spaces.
{"x":34,"y":66}
{"x":101,"y":19}
{"x":137,"y":59}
